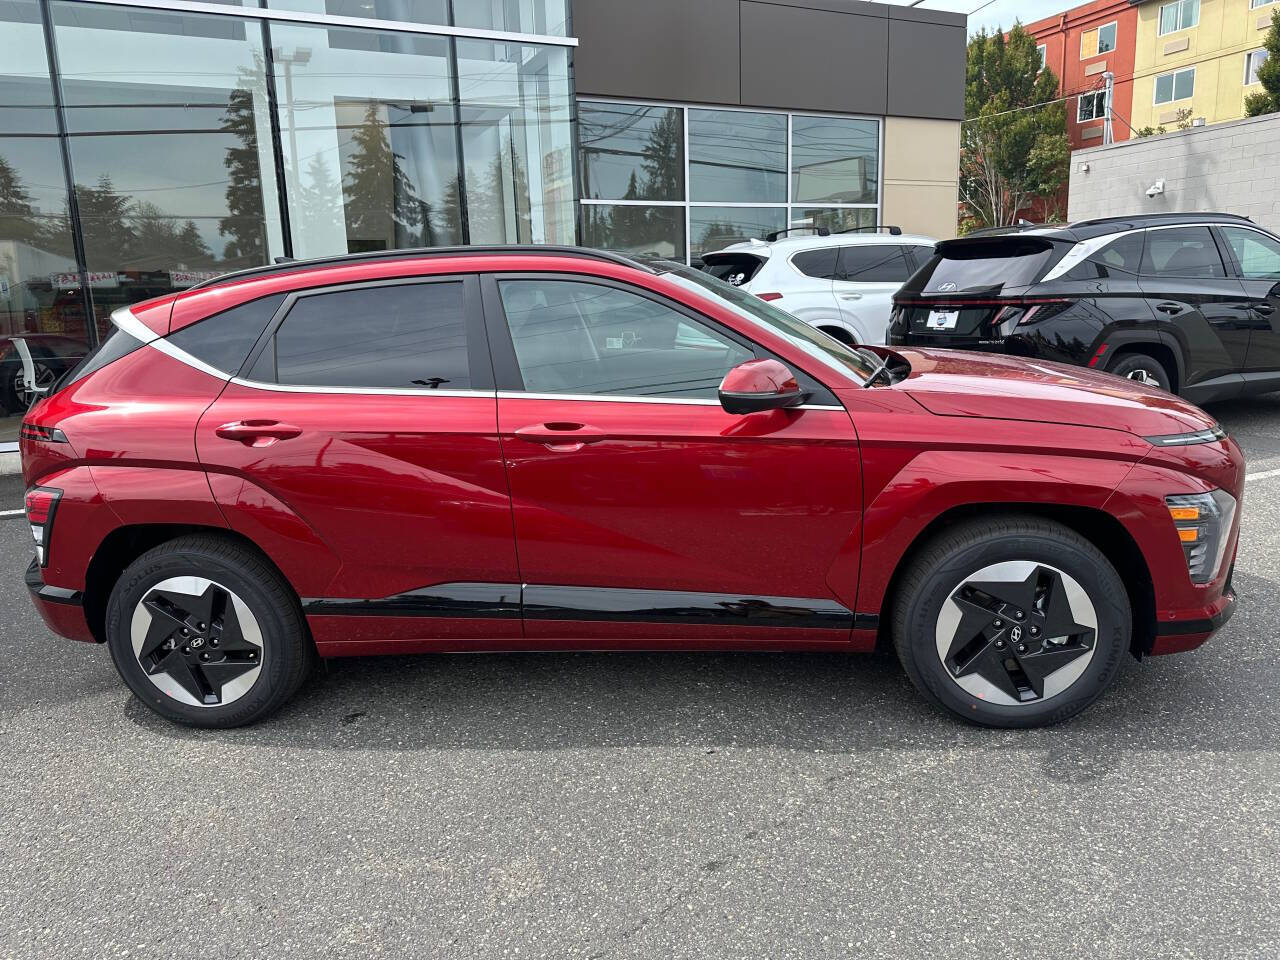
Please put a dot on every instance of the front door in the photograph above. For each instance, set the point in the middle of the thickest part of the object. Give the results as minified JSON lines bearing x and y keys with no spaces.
{"x":644,"y":512}
{"x":1257,"y":257}
{"x":369,"y":415}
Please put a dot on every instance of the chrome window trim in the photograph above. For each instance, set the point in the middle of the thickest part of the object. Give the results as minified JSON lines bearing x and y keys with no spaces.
{"x":334,"y":20}
{"x":621,"y":398}
{"x":370,"y":391}
{"x":127,"y":323}
{"x":177,"y":353}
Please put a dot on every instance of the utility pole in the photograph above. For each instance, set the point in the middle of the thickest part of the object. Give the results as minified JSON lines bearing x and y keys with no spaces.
{"x":1108,"y":129}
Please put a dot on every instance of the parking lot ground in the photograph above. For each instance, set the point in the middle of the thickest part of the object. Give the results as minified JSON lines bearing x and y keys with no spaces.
{"x":649,"y":806}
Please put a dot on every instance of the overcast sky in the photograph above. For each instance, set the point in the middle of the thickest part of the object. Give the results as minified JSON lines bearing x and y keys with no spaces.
{"x":1001,"y":13}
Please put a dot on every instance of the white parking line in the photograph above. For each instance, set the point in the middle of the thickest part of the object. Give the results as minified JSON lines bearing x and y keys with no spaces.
{"x":1265,"y":474}
{"x":12,"y":513}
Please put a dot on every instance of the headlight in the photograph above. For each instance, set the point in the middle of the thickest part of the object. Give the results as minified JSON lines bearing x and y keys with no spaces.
{"x":1203,"y":521}
{"x":1212,"y":435}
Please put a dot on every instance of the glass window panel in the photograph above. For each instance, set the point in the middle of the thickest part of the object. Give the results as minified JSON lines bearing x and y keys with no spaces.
{"x":409,"y":11}
{"x":517,"y":143}
{"x":835,"y":221}
{"x":404,"y":336}
{"x":817,"y":263}
{"x":224,"y":340}
{"x":1182,"y":252}
{"x":737,"y":156}
{"x":575,"y":337}
{"x":369,"y":134}
{"x":834,"y":160}
{"x":714,"y":228}
{"x":1184,"y":84}
{"x":1258,"y":254}
{"x":171,"y":146}
{"x":1107,"y":38}
{"x":26,"y":93}
{"x":1253,"y":63}
{"x":1164,"y":88}
{"x":874,"y":263}
{"x":631,"y":152}
{"x":635,"y":230}
{"x":546,"y":17}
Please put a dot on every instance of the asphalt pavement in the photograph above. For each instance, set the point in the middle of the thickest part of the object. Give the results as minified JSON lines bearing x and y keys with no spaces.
{"x":649,"y":806}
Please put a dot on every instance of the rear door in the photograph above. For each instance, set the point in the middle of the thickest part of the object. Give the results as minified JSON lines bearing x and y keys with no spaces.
{"x":1187,"y":283}
{"x":645,"y":513}
{"x":867,"y":277}
{"x":1257,"y":260}
{"x":368,"y":413}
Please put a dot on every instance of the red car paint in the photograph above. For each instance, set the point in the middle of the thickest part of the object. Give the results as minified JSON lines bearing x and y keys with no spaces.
{"x":360,"y":497}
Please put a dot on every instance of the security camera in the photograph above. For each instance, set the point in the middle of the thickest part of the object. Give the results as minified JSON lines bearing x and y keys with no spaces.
{"x":1155,"y":190}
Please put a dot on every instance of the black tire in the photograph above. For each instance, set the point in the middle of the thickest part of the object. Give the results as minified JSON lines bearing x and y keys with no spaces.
{"x":287,"y":651}
{"x":1145,"y":369}
{"x":841,"y":334}
{"x":942,"y":572}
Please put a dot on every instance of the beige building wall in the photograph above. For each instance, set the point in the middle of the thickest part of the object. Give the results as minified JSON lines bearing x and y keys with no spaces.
{"x":921,"y":175}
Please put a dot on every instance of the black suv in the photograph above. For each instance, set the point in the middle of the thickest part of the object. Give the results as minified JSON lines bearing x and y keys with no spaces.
{"x":1188,"y":302}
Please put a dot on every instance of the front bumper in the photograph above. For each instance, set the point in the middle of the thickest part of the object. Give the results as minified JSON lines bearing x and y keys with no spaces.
{"x":61,"y":609}
{"x":1181,"y":635}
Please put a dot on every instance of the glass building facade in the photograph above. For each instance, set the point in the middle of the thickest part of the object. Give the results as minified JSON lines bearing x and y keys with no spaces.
{"x":146,"y":145}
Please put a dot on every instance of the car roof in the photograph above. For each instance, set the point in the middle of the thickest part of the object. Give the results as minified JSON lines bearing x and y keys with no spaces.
{"x":786,"y":245}
{"x":286,"y":265}
{"x":1104,"y":226}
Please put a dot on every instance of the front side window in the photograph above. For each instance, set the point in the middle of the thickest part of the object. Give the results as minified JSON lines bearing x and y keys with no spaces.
{"x":1180,"y":85}
{"x":574,"y":337}
{"x":404,"y":336}
{"x":1257,"y":254}
{"x":873,"y":263}
{"x":1182,"y":252}
{"x":1092,"y":106}
{"x":1252,"y":64}
{"x":1179,"y":15}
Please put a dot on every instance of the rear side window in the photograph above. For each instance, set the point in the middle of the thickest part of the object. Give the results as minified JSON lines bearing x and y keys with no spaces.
{"x":733,"y":268}
{"x":1182,"y":252}
{"x":406,"y":336}
{"x":987,"y":265}
{"x":225,"y":339}
{"x":874,"y":263}
{"x":819,"y":264}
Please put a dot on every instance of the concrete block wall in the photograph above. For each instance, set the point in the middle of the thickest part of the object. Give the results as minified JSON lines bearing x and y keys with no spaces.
{"x":1225,"y":168}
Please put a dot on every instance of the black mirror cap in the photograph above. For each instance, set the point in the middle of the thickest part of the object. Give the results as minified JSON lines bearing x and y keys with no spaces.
{"x":741,"y":404}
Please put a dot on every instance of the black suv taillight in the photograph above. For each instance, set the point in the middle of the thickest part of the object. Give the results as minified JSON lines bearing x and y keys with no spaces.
{"x":42,"y":504}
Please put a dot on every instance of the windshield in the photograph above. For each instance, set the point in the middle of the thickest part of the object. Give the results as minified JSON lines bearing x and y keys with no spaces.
{"x":826,"y":350}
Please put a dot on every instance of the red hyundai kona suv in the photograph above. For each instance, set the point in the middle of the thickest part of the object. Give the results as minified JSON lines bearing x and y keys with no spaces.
{"x":560,"y":449}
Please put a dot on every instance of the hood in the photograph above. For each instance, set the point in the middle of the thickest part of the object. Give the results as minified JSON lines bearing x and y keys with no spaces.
{"x":953,"y":383}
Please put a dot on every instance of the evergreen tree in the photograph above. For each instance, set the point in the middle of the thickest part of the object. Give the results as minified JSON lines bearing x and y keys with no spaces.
{"x":317,"y":202}
{"x":245,"y":212}
{"x":1267,"y":100}
{"x":109,"y":240}
{"x":1010,"y":156}
{"x":381,"y":204}
{"x":663,"y":161}
{"x":19,"y":215}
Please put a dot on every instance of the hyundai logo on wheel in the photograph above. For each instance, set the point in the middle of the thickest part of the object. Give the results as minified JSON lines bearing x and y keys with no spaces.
{"x":1015,"y":634}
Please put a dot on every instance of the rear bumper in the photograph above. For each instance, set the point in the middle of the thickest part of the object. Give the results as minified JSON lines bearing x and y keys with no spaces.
{"x":1181,"y":635}
{"x":61,"y":609}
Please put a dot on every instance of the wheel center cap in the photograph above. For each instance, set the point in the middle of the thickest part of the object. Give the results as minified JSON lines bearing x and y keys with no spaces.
{"x":197,"y":642}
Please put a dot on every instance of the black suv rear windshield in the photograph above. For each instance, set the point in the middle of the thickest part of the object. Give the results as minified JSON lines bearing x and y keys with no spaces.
{"x":986,"y":266}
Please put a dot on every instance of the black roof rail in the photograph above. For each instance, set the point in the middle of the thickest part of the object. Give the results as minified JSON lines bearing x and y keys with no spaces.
{"x":286,"y":265}
{"x":892,"y":230}
{"x":1196,"y":217}
{"x":818,"y":231}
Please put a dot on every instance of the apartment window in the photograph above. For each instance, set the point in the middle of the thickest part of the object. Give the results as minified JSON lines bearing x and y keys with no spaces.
{"x":1043,"y":51}
{"x":1180,"y":85}
{"x":1092,"y":106}
{"x":1099,"y":41}
{"x":1180,"y":15}
{"x":1255,"y":4}
{"x":1252,"y":64}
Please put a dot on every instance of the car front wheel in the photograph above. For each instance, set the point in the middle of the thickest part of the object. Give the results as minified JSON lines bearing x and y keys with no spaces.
{"x":205,"y":633}
{"x":1012,"y":622}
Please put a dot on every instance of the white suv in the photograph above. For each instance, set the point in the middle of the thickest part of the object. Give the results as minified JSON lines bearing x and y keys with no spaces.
{"x":843,"y":284}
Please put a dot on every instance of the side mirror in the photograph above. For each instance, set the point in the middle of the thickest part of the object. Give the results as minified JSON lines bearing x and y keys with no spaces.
{"x":760,"y":385}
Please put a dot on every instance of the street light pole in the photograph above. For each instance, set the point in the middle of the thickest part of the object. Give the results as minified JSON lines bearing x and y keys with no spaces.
{"x":1108,"y":128}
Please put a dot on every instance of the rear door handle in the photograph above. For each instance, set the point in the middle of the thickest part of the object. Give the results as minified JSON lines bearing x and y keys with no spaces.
{"x":1265,"y":309}
{"x":1170,"y":308}
{"x":561,"y":435}
{"x":258,"y":433}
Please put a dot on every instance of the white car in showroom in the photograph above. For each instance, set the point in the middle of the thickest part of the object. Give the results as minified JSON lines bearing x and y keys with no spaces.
{"x":841,"y":283}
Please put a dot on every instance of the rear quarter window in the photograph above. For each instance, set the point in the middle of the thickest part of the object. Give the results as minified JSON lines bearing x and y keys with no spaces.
{"x":224,"y":340}
{"x":819,"y":264}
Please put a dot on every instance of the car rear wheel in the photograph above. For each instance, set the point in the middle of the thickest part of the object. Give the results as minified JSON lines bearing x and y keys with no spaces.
{"x":1012,"y":622}
{"x":1144,"y":369}
{"x":207,"y":634}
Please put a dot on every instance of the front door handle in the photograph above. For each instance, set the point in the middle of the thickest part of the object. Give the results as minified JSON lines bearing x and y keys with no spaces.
{"x":561,"y":435}
{"x":850,"y":296}
{"x":1265,"y":309}
{"x":258,"y":433}
{"x":1173,"y":309}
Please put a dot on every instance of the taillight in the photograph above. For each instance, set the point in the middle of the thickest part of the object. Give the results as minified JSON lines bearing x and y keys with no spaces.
{"x":33,"y":431}
{"x":769,"y":296}
{"x":42,"y":504}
